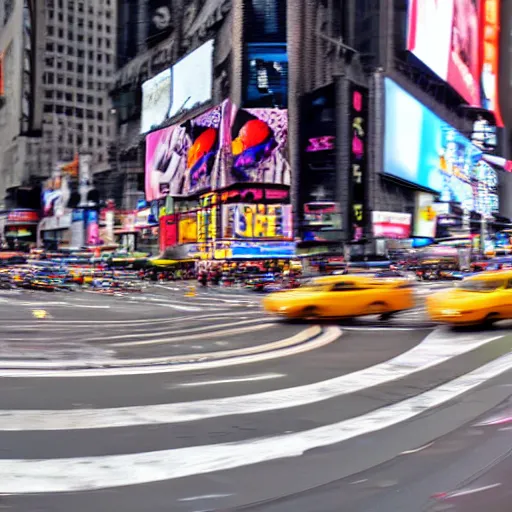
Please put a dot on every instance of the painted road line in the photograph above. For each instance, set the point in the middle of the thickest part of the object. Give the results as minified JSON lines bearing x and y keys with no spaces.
{"x":248,"y":378}
{"x":205,"y":335}
{"x":402,"y":366}
{"x":24,"y":476}
{"x":152,"y":321}
{"x":188,"y":330}
{"x":307,"y":340}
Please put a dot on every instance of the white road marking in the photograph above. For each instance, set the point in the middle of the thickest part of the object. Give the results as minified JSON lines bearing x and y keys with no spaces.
{"x":202,"y":336}
{"x":23,"y":476}
{"x":434,"y":350}
{"x":466,"y":492}
{"x":417,"y":450}
{"x":249,"y":378}
{"x":305,"y":341}
{"x":205,"y":497}
{"x":188,"y":330}
{"x":179,"y":308}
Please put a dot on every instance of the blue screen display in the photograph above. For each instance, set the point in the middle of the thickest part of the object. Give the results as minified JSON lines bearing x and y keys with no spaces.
{"x":421,"y":148}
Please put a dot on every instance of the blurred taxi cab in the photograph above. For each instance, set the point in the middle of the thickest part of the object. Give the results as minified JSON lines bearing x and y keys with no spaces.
{"x":342,"y":296}
{"x":481,"y":298}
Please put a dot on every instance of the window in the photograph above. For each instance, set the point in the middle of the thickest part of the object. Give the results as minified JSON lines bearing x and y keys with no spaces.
{"x":90,"y":100}
{"x":91,"y":55}
{"x":60,"y":78}
{"x":70,"y":66}
{"x":69,"y":96}
{"x":345,"y":286}
{"x":90,"y":142}
{"x":90,"y":25}
{"x":100,"y":101}
{"x":100,"y":116}
{"x":71,"y":50}
{"x":59,"y":109}
{"x":80,"y":68}
{"x":61,"y":33}
{"x":49,"y":30}
{"x":100,"y":130}
{"x":59,"y":95}
{"x":49,"y":47}
{"x":80,"y":84}
{"x":80,"y":97}
{"x":90,"y":114}
{"x":60,"y":48}
{"x":59,"y":64}
{"x":90,"y":70}
{"x":80,"y":112}
{"x":80,"y":54}
{"x":70,"y":19}
{"x":48,"y":109}
{"x":48,"y":94}
{"x":69,"y":81}
{"x":71,"y":36}
{"x":70,"y":138}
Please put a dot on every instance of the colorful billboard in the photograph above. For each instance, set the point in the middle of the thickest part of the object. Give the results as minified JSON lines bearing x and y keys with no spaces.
{"x":490,"y":26}
{"x":181,"y":159}
{"x":219,"y":148}
{"x":187,"y":228}
{"x":421,"y":148}
{"x":259,"y":147}
{"x":445,"y":35}
{"x":246,"y":221}
{"x":391,"y":225}
{"x":425,"y":217}
{"x":156,"y":100}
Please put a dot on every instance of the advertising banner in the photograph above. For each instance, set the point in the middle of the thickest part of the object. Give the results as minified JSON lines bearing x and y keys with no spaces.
{"x":425,"y":218}
{"x":160,"y":21}
{"x":92,"y":227}
{"x":445,"y":35}
{"x":156,"y":100}
{"x":56,"y":195}
{"x":168,"y":232}
{"x":255,"y":250}
{"x":391,"y":225}
{"x":421,"y":148}
{"x":187,"y":228}
{"x":256,"y":221}
{"x":22,"y":216}
{"x":490,"y":23}
{"x":359,"y":99}
{"x":259,"y":147}
{"x":318,"y":169}
{"x":180,"y":160}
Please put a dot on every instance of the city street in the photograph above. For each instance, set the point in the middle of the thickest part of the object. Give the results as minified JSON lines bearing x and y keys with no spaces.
{"x":165,"y":401}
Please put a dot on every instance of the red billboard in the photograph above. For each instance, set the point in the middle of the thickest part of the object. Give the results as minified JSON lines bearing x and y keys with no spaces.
{"x":445,"y":35}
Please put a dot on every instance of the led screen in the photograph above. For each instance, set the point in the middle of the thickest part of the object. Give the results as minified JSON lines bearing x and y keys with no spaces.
{"x":192,"y":80}
{"x":445,"y":35}
{"x":421,"y":148}
{"x":156,"y":100}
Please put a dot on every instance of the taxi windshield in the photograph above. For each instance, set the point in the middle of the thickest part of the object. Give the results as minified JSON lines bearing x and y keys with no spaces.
{"x":476,"y":285}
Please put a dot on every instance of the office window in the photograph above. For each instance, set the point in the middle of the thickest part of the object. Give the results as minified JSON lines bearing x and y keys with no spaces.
{"x":48,"y":95}
{"x":48,"y":109}
{"x":90,"y":70}
{"x":49,"y":30}
{"x":49,"y":47}
{"x":61,"y":33}
{"x":69,"y":81}
{"x":69,"y":96}
{"x":80,"y":97}
{"x":90,"y":114}
{"x":80,"y":68}
{"x":60,"y":48}
{"x":60,"y":78}
{"x":90,"y":142}
{"x":70,"y":66}
{"x":80,"y":84}
{"x":80,"y":112}
{"x":59,"y":95}
{"x":90,"y":100}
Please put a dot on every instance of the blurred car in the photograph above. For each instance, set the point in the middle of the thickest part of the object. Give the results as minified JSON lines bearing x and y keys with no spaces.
{"x":342,"y":296}
{"x":483,"y":298}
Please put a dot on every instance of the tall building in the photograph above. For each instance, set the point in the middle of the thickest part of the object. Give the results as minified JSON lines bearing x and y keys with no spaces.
{"x":21,"y":71}
{"x":80,"y":59}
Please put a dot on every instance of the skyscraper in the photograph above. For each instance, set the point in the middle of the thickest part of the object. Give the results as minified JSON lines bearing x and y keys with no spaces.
{"x":80,"y":59}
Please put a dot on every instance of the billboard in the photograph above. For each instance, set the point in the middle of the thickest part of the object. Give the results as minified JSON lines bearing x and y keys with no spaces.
{"x":421,"y":148}
{"x":490,"y":26}
{"x":359,"y":103}
{"x":425,"y":217}
{"x":246,"y":221}
{"x":259,"y":147}
{"x":222,"y":147}
{"x":445,"y":35}
{"x":192,"y":79}
{"x":156,"y":100}
{"x":181,"y":159}
{"x":391,"y":225}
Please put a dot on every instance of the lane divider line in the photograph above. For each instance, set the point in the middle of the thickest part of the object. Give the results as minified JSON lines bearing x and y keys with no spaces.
{"x":205,"y":335}
{"x":402,"y":366}
{"x":23,"y":476}
{"x":306,"y":340}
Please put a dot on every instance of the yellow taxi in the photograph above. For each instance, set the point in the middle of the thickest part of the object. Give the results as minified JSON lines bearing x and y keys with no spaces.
{"x":480,"y":299}
{"x":342,"y":296}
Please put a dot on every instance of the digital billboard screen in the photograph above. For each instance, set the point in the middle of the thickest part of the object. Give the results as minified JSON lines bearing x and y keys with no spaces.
{"x":445,"y":35}
{"x":156,"y":100}
{"x":421,"y":148}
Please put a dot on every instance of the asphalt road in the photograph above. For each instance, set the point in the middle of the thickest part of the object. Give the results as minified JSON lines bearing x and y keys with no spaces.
{"x":161,"y":401}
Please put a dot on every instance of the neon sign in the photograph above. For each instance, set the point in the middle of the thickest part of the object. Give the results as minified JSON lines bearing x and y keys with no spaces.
{"x":325,"y":143}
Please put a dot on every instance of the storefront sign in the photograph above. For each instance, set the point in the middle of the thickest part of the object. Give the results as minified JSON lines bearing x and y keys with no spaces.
{"x":358,"y":162}
{"x":425,"y":218}
{"x":168,"y":232}
{"x":391,"y":225}
{"x":248,"y":250}
{"x":22,"y":217}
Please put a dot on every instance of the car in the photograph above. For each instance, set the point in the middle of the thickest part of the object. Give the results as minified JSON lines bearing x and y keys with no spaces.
{"x":483,"y":298}
{"x":342,"y":297}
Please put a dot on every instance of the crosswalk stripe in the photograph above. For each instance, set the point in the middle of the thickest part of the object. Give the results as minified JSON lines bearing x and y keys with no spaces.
{"x":436,"y":348}
{"x":19,"y":476}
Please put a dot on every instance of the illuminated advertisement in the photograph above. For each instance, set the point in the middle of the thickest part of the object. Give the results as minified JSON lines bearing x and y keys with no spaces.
{"x":246,"y":221}
{"x":92,"y":227}
{"x":56,"y":195}
{"x":192,"y":80}
{"x":259,"y":141}
{"x":421,"y":148}
{"x":156,"y":100}
{"x":207,"y":224}
{"x":322,"y":222}
{"x":425,"y":217}
{"x":254,"y":250}
{"x":358,"y":161}
{"x":187,"y":228}
{"x":490,"y":17}
{"x":445,"y":35}
{"x":181,"y":159}
{"x":391,"y":225}
{"x":168,"y":232}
